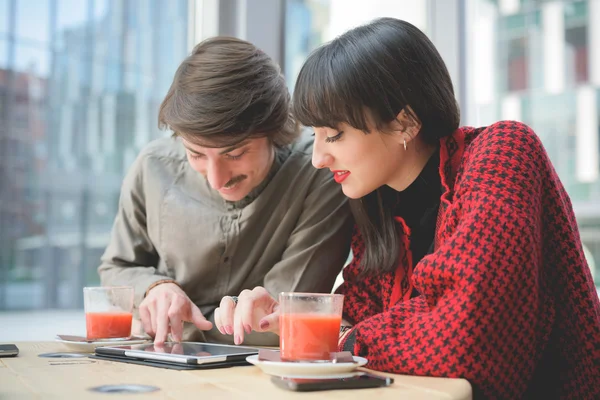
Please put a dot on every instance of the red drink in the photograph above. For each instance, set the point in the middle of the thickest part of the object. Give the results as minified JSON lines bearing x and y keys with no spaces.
{"x":104,"y":325}
{"x":308,"y":336}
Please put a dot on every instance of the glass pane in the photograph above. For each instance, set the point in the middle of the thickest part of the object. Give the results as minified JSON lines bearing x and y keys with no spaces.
{"x":517,"y":65}
{"x":4,"y":15}
{"x":100,"y":10}
{"x":83,"y":102}
{"x":24,"y":98}
{"x":71,"y":14}
{"x":534,"y":61}
{"x":32,"y":60}
{"x":577,"y":55}
{"x":33,"y":21}
{"x":3,"y":57}
{"x":309,"y":23}
{"x":71,"y":24}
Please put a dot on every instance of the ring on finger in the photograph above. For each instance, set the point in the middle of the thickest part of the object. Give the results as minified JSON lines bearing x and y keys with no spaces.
{"x":235,"y":299}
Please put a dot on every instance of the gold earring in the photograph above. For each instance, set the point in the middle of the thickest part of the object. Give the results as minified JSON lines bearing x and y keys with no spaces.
{"x":404,"y":144}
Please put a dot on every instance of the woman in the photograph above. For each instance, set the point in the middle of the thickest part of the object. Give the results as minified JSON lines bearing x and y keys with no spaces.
{"x":467,"y":258}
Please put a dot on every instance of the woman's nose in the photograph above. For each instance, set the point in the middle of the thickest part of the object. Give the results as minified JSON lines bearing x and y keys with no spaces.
{"x":321,"y":159}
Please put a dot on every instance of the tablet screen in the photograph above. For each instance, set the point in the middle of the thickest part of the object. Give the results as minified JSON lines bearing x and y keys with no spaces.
{"x":193,"y":349}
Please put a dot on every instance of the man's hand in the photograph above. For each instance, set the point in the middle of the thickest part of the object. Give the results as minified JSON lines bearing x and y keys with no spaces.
{"x":256,"y":310}
{"x":165,"y":308}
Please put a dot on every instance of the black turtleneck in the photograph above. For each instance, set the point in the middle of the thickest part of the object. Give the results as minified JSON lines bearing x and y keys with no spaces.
{"x":418,"y":205}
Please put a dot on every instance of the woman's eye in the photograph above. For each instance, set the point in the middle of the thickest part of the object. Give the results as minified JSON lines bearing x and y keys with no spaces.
{"x":331,"y":139}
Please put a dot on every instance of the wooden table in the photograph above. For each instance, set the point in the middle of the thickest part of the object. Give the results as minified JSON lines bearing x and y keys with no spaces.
{"x":29,"y":376}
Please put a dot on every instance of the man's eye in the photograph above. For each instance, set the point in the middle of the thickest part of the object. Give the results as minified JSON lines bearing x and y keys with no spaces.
{"x":236,"y":156}
{"x":196,"y":156}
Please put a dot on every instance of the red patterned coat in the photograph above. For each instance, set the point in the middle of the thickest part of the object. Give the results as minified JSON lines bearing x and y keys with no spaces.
{"x":506,"y":299}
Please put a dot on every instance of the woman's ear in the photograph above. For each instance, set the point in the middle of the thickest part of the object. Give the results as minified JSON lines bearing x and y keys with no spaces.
{"x":407,"y":125}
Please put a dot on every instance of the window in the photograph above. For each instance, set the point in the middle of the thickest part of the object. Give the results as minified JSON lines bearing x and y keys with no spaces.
{"x":539,"y":62}
{"x":315,"y":22}
{"x":81,"y":82}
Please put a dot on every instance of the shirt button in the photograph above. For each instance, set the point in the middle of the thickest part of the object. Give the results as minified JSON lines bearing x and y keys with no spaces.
{"x":234,"y":216}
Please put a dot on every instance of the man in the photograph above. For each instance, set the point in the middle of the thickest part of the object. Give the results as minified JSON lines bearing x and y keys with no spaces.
{"x":230,"y":202}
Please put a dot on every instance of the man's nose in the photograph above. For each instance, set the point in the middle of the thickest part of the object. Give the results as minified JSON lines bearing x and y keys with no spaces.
{"x":217,"y":176}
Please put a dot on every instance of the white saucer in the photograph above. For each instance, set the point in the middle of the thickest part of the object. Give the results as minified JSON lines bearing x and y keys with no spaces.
{"x":306,"y":369}
{"x":88,"y":347}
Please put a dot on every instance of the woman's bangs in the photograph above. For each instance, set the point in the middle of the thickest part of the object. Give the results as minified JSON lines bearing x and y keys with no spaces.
{"x":321,"y":98}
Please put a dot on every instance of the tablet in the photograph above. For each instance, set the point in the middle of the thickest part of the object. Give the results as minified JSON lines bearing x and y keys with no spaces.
{"x":195,"y":353}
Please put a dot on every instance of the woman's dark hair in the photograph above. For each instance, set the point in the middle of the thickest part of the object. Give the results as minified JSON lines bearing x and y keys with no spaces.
{"x":365,"y":78}
{"x":226,"y":91}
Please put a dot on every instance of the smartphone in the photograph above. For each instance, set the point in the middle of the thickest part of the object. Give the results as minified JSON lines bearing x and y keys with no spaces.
{"x":8,"y":350}
{"x":361,"y":380}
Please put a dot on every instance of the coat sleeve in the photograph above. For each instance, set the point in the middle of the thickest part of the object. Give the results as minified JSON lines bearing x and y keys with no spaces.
{"x":481,"y":291}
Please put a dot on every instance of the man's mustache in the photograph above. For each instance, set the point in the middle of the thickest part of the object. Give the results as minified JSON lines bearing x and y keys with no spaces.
{"x":234,"y":181}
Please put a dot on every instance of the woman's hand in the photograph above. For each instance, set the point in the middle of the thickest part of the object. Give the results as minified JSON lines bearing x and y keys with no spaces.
{"x":255,"y":310}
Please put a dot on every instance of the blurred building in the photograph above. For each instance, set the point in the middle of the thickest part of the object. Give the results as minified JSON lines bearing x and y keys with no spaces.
{"x":79,"y":100}
{"x":22,"y":127}
{"x":539,"y":62}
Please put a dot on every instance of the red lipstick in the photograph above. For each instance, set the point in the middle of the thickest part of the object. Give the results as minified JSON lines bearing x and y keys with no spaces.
{"x":340,"y":176}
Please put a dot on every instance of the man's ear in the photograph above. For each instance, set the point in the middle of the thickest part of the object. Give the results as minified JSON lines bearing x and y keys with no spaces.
{"x":407,"y":125}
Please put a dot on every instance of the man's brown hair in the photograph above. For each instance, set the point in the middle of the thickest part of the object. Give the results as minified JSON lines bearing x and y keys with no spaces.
{"x":227,"y":91}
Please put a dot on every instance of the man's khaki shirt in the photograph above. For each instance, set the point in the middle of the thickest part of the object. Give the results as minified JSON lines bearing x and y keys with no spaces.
{"x":291,"y":233}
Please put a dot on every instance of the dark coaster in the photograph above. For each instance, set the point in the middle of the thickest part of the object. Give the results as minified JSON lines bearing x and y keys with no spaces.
{"x":62,"y":355}
{"x":124,"y":389}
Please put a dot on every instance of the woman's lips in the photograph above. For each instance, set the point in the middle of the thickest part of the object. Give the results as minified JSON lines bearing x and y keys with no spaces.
{"x":340,"y":176}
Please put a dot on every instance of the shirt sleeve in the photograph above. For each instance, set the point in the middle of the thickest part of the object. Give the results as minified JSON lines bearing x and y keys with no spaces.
{"x":479,"y":315}
{"x":130,"y":258}
{"x":319,"y":244}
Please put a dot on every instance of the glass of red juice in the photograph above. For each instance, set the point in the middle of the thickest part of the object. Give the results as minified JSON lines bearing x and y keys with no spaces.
{"x":108,"y":312}
{"x":309,"y":325}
